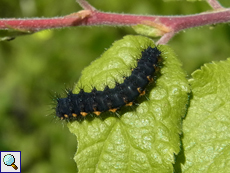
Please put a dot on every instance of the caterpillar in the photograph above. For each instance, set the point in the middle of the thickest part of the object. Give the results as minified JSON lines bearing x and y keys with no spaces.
{"x":78,"y":106}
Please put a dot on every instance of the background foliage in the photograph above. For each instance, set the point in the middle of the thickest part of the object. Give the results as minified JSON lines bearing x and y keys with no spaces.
{"x":33,"y":68}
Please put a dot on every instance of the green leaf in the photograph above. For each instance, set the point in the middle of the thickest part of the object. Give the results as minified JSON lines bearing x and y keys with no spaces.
{"x":142,"y":138}
{"x":147,"y":30}
{"x":206,"y":127}
{"x":10,"y":34}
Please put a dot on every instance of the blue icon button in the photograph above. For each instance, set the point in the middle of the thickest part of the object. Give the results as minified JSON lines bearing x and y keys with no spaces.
{"x":9,"y":160}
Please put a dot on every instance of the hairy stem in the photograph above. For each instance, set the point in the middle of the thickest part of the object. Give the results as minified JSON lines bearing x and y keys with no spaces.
{"x":214,"y":4}
{"x":165,"y":38}
{"x":169,"y":25}
{"x":176,"y":23}
{"x":85,"y":5}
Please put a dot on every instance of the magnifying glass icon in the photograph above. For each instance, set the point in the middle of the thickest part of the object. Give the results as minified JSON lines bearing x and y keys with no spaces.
{"x":9,"y":160}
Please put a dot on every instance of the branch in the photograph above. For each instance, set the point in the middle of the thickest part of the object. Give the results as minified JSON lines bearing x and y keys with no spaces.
{"x":90,"y":18}
{"x":167,"y":26}
{"x":85,"y":5}
{"x":214,"y":4}
{"x":165,"y":38}
{"x":38,"y":24}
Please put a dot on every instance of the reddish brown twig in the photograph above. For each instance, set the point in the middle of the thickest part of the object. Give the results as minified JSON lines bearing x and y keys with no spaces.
{"x":214,"y":4}
{"x":168,"y":25}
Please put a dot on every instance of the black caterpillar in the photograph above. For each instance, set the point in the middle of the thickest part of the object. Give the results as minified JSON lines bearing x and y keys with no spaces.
{"x":77,"y":106}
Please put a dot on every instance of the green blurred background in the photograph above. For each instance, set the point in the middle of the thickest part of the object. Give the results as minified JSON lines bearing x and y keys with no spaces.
{"x":33,"y":68}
